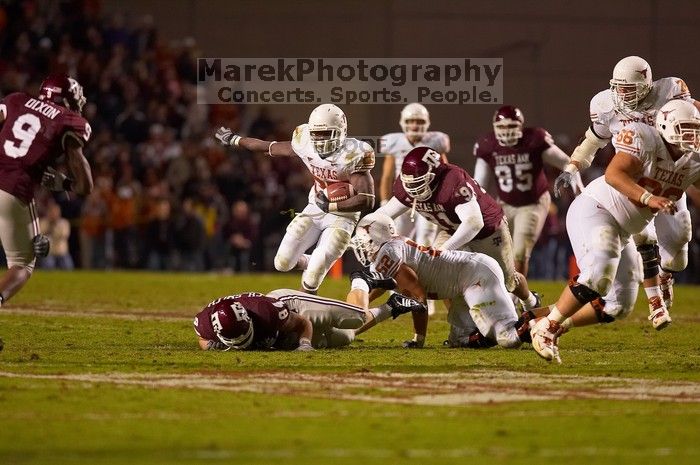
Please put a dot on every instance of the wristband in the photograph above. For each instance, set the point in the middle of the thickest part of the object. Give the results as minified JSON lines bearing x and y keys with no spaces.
{"x":570,"y":168}
{"x":235,"y":140}
{"x":332,"y":207}
{"x":645,"y":197}
{"x":304,"y":341}
{"x":269,"y":148}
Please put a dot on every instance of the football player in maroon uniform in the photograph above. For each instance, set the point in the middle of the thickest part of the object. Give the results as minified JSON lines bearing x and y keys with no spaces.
{"x":448,"y":196}
{"x":35,"y":132}
{"x":287,"y":319}
{"x":516,"y":156}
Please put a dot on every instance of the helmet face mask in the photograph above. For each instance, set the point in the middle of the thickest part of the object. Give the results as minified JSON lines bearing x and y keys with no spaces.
{"x":418,"y":172}
{"x":63,"y":90}
{"x":373,"y":231}
{"x":631,"y":83}
{"x":678,"y":122}
{"x":415,"y":120}
{"x":327,"y":128}
{"x":508,"y":122}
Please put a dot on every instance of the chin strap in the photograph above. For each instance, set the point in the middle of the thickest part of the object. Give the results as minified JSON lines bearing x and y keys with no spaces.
{"x":413,"y":210}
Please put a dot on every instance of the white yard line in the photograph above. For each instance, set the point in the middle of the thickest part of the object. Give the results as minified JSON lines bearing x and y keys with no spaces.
{"x":404,"y":388}
{"x":132,"y":315}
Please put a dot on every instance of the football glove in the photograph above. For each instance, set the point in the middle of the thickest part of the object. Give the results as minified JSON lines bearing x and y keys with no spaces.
{"x":226,"y":137}
{"x":412,"y":344}
{"x":56,"y":181}
{"x":41,"y":245}
{"x":304,"y":345}
{"x":217,"y":345}
{"x":565,"y":179}
{"x":322,"y":201}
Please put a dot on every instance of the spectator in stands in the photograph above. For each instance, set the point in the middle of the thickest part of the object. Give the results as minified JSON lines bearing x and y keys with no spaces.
{"x":240,"y":232}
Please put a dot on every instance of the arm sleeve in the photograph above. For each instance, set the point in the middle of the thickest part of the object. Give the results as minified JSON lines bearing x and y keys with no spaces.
{"x":554,"y":156}
{"x":471,"y":222}
{"x":483,"y":174}
{"x":393,"y":208}
{"x":585,"y":151}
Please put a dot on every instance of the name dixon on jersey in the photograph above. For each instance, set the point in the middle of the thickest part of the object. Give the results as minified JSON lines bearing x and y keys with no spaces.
{"x":512,"y":158}
{"x":43,"y":108}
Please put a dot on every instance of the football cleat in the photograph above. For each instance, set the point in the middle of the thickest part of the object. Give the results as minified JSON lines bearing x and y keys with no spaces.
{"x":545,"y":339}
{"x":374,"y":280}
{"x":667,"y":288}
{"x":412,"y":345}
{"x":658,"y":314}
{"x":401,"y":304}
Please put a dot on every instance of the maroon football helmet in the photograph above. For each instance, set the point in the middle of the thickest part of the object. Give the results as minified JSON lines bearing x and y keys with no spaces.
{"x":231,"y":323}
{"x":63,"y":90}
{"x":508,"y":124}
{"x":418,"y":172}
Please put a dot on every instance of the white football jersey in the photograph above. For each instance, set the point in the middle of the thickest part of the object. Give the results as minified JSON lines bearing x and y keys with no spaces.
{"x":353,"y":157}
{"x":606,"y":121}
{"x":661,"y":176}
{"x":444,"y":274}
{"x":397,"y":145}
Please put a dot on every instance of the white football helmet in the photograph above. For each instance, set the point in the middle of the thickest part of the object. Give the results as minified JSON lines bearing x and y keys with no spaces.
{"x":371,"y":233}
{"x":630,"y":83}
{"x":414,"y":111}
{"x":328,"y":128}
{"x":678,"y":121}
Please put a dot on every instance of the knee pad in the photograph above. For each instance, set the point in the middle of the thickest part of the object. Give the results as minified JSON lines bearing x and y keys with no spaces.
{"x":650,"y":259}
{"x":599,"y":306}
{"x":678,"y":262}
{"x":283,"y":262}
{"x":684,"y":225}
{"x":508,"y":338}
{"x":582,"y":293}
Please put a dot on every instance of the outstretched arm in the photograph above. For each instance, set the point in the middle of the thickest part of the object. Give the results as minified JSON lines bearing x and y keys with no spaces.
{"x":471,"y":222}
{"x":275,"y":149}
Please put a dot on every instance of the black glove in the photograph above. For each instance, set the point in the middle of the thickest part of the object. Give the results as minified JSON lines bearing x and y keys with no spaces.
{"x":565,"y":179}
{"x":56,"y":181}
{"x":322,"y":201}
{"x":41,"y":245}
{"x":412,"y":344}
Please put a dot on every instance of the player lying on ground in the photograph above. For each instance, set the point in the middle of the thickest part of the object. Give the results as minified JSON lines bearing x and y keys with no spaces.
{"x":481,"y":313}
{"x":634,"y":97}
{"x":331,"y":157}
{"x":650,"y":171}
{"x":286,"y":319}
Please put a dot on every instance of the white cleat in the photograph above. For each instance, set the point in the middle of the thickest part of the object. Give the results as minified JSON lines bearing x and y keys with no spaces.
{"x":545,"y":339}
{"x":658,"y":314}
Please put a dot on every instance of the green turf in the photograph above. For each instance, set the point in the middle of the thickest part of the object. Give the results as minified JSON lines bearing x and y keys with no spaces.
{"x":68,"y":421}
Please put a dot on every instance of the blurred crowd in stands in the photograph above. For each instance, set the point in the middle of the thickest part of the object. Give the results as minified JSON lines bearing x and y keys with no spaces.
{"x":166,"y":196}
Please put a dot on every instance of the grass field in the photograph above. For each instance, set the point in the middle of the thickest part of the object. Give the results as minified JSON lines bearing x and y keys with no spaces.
{"x":104,"y":368}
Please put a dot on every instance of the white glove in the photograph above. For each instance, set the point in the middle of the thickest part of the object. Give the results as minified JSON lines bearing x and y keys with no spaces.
{"x":226,"y":137}
{"x":304,"y":345}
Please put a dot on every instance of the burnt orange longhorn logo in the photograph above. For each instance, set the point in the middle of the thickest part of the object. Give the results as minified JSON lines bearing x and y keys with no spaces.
{"x":643,"y":72}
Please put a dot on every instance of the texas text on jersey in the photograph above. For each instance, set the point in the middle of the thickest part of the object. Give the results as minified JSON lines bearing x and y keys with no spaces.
{"x":454,"y":187}
{"x":267,"y":315}
{"x":354,"y":156}
{"x":34,"y":135}
{"x":519,"y":168}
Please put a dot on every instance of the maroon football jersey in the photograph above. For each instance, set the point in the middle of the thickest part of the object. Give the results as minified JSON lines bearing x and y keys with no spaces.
{"x":454,"y":187}
{"x":33,"y":135}
{"x":518,"y":169}
{"x":267,"y":314}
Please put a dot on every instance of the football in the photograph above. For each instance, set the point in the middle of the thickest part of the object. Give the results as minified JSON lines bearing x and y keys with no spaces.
{"x":339,"y":191}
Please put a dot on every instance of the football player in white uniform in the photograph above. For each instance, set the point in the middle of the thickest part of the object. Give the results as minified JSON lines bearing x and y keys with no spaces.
{"x":331,"y":157}
{"x":649,"y":173}
{"x":481,"y":314}
{"x":634,"y":97}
